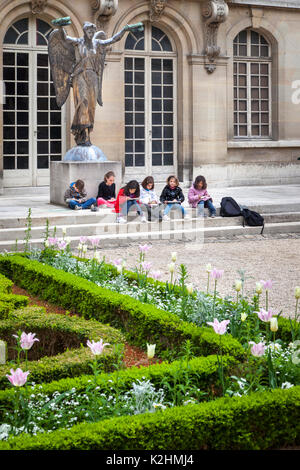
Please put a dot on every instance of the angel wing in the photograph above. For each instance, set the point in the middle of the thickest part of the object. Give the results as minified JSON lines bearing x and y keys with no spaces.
{"x":101,"y":63}
{"x":62,"y":60}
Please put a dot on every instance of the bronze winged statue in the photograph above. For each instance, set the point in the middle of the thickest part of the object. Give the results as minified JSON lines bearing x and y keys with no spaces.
{"x":79,"y":63}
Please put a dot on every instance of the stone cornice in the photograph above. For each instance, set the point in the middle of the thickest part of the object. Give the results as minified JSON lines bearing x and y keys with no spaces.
{"x":291,"y":4}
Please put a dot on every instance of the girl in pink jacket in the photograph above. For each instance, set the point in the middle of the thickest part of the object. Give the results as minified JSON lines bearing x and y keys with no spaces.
{"x":199,"y":198}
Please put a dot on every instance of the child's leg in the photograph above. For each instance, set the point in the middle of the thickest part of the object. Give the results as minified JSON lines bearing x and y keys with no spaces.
{"x":181,"y":208}
{"x":167,"y":209}
{"x":73,"y":203}
{"x":200,"y":209}
{"x":211,"y":208}
{"x":102,"y":202}
{"x":87,"y":204}
{"x":138,"y":207}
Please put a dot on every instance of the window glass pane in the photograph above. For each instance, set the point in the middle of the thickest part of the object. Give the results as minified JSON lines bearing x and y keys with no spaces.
{"x":8,"y":148}
{"x":11,"y":36}
{"x":165,"y":44}
{"x":42,"y":147}
{"x":8,"y":58}
{"x":22,"y":74}
{"x":55,"y":132}
{"x":22,"y":147}
{"x":22,"y":163}
{"x":8,"y":133}
{"x":129,"y":160}
{"x":43,"y":132}
{"x":155,"y":45}
{"x":8,"y":118}
{"x":140,"y":45}
{"x":156,"y":159}
{"x":21,"y":25}
{"x":140,"y":160}
{"x":22,"y":132}
{"x":23,"y":39}
{"x":8,"y":163}
{"x":22,"y":118}
{"x":55,"y":146}
{"x":43,"y":162}
{"x":168,"y":159}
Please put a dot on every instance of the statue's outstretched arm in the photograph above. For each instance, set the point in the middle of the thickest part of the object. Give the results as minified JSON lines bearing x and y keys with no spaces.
{"x":120,"y":34}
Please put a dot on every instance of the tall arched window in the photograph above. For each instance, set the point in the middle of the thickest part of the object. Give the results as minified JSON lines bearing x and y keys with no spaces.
{"x":150,"y":130}
{"x":252,"y":85}
{"x":32,"y":122}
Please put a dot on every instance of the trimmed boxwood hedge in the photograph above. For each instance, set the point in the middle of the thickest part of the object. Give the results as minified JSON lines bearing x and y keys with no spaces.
{"x":67,"y":334}
{"x":141,"y":322}
{"x":203,"y":369}
{"x":259,"y":421}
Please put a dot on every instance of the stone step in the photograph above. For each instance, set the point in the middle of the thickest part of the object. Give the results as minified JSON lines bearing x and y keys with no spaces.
{"x":64,"y":217}
{"x":106,"y":226}
{"x":128,"y":234}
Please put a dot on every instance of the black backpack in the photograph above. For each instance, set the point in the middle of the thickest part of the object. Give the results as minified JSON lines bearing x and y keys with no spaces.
{"x":230,"y":208}
{"x":253,"y":219}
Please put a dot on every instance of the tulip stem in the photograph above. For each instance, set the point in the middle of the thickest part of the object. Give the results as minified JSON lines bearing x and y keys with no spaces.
{"x":207,"y":290}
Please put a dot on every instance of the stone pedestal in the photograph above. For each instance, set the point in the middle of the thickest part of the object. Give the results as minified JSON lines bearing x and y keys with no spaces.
{"x":63,"y":173}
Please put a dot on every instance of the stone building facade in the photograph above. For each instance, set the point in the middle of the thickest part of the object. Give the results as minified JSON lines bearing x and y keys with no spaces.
{"x":209,"y":87}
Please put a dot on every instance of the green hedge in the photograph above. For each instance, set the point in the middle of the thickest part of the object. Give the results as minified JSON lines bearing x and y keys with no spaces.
{"x":5,"y":285}
{"x":67,"y":335}
{"x":202,"y":370}
{"x":141,"y":322}
{"x":259,"y":421}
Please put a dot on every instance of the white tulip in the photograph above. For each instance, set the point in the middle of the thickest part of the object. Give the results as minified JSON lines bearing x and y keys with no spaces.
{"x":189,"y":288}
{"x":150,"y":350}
{"x":171,"y":267}
{"x":174,"y":256}
{"x":208,"y":268}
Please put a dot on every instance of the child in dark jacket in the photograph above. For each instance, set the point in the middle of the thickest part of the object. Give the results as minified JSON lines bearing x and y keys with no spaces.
{"x":107,"y":191}
{"x":75,"y":197}
{"x":172,"y":196}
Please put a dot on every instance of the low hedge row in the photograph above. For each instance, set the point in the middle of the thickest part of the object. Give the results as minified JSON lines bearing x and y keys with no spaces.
{"x":202,"y":370}
{"x":259,"y":421}
{"x":61,"y":350}
{"x":140,"y":322}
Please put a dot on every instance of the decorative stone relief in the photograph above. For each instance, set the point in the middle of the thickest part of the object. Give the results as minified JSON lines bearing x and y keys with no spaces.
{"x":156,"y":9}
{"x":214,"y":13}
{"x":37,"y":6}
{"x":103,"y":11}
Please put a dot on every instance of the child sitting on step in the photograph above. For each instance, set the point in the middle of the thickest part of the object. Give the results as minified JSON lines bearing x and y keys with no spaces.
{"x":128,"y":197}
{"x":172,"y":197}
{"x":149,"y":199}
{"x":199,"y":198}
{"x":107,"y":191}
{"x":75,"y":197}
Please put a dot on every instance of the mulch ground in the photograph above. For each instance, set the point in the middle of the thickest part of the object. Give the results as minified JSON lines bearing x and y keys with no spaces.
{"x":133,"y":355}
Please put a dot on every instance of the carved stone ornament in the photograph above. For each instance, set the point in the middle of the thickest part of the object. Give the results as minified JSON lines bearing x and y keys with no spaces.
{"x":103,"y":11}
{"x":156,"y":9}
{"x":37,"y":6}
{"x":214,"y":13}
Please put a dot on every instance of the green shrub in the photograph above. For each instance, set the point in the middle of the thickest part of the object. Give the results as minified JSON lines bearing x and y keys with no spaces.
{"x":141,"y":322}
{"x":61,"y":350}
{"x":5,"y":284}
{"x":259,"y":421}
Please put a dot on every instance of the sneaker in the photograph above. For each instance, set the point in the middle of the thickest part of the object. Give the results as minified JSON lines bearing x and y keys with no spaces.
{"x":143,"y":219}
{"x":121,"y":220}
{"x":187,"y":216}
{"x":213,"y":216}
{"x":94,"y":208}
{"x":165,"y":217}
{"x":77,"y":208}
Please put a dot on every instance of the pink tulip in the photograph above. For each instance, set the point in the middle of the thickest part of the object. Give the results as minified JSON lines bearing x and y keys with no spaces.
{"x":145,"y":248}
{"x":146,"y":266}
{"x":52,"y":241}
{"x":117,"y":262}
{"x":83,"y":239}
{"x":219,"y":327}
{"x":94,"y":241}
{"x":27,"y":340}
{"x":17,"y":377}
{"x":217,"y":273}
{"x":258,"y":349}
{"x":156,"y":274}
{"x":265,"y":315}
{"x":97,"y":348}
{"x":62,"y":244}
{"x":267,"y":284}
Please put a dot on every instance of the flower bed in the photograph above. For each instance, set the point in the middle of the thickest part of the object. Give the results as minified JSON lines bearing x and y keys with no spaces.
{"x":237,"y":421}
{"x":59,"y":352}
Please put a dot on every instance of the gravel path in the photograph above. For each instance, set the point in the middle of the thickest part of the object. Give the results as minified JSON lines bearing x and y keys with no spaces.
{"x":275,"y":259}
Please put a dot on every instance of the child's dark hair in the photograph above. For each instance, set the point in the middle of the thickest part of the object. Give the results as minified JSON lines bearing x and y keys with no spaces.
{"x":148,"y":180}
{"x":133,"y":184}
{"x":108,"y":175}
{"x":173,"y":177}
{"x":79,"y":185}
{"x":200,"y":179}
